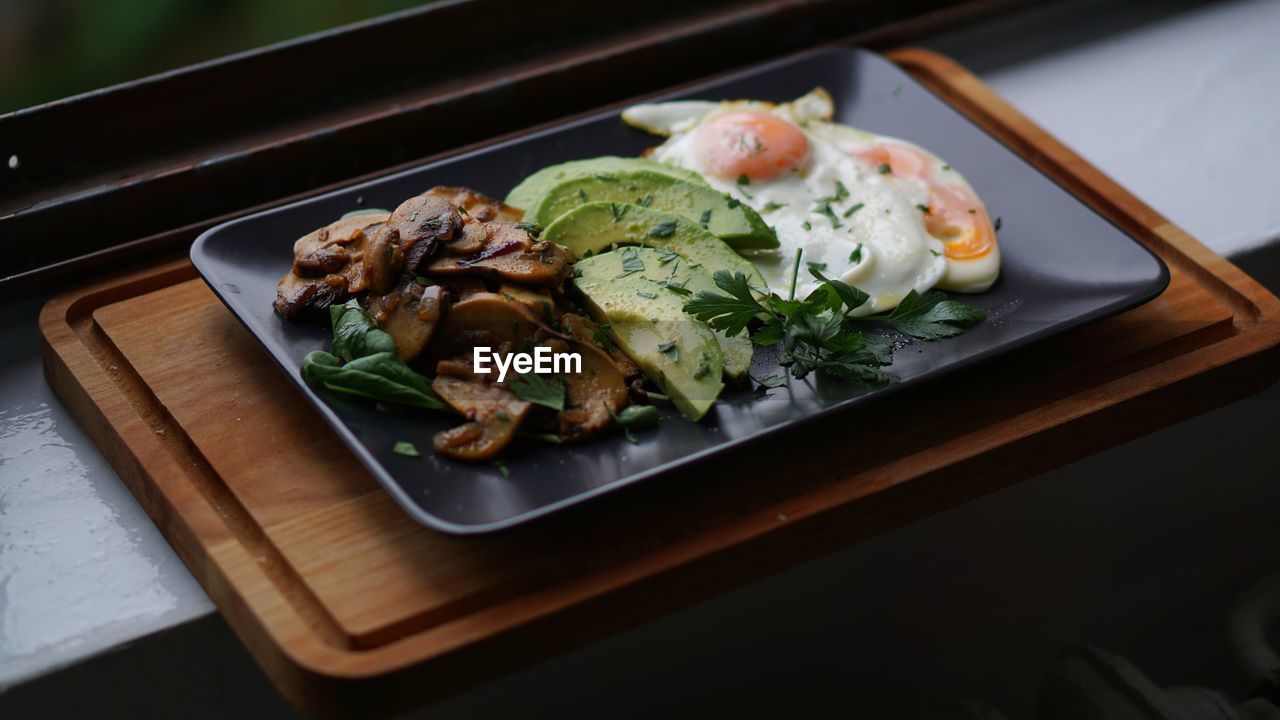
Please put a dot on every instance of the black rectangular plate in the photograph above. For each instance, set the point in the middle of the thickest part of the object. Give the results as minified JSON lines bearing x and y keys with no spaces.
{"x":1063,"y":266}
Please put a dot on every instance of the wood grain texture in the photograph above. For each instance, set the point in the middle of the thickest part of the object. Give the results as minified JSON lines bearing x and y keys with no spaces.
{"x":354,"y":609}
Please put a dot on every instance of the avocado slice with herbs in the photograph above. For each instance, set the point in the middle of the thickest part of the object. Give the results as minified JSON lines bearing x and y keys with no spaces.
{"x":678,"y":353}
{"x":726,"y":217}
{"x":526,"y":194}
{"x":597,"y":226}
{"x":675,"y":274}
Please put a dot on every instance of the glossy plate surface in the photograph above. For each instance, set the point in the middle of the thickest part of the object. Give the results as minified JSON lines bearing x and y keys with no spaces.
{"x":1062,"y":265}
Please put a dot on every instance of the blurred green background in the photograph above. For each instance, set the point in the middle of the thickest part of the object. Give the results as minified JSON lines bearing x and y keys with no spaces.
{"x":50,"y":49}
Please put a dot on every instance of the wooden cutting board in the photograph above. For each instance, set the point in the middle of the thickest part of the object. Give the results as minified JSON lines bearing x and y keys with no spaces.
{"x":354,"y":609}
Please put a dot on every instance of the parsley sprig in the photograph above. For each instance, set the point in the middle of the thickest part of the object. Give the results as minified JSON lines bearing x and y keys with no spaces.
{"x":817,"y":333}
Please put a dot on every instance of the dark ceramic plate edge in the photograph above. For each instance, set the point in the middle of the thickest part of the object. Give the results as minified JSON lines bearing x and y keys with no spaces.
{"x":1137,"y":297}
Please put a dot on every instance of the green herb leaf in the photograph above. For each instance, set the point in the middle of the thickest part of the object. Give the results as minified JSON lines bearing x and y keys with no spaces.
{"x":631,"y":262}
{"x":639,"y":417}
{"x":534,"y":229}
{"x":706,"y":218}
{"x":664,"y":229}
{"x":502,"y":467}
{"x":539,"y":390}
{"x":355,"y":334}
{"x":884,"y":169}
{"x":727,"y":313}
{"x":855,"y":257}
{"x":856,"y":207}
{"x":406,"y":449}
{"x":617,"y":210}
{"x":771,"y":206}
{"x":744,"y":180}
{"x":931,"y":316}
{"x":601,"y":337}
{"x":671,"y":350}
{"x":381,"y":376}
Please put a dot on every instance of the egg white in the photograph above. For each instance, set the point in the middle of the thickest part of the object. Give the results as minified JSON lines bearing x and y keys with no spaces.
{"x":882,"y":248}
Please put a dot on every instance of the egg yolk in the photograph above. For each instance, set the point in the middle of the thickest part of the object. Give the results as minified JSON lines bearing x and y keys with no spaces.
{"x":960,"y":222}
{"x":903,"y":161}
{"x":755,"y":144}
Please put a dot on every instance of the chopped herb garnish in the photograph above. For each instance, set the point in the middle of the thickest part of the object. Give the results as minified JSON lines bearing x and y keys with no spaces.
{"x":631,"y":262}
{"x":825,"y":209}
{"x":601,"y":338}
{"x":646,"y":295}
{"x":706,"y":218}
{"x":806,"y":225}
{"x":645,"y":201}
{"x":820,"y":267}
{"x":931,"y":316}
{"x":743,"y":179}
{"x":922,"y":208}
{"x":639,"y":417}
{"x":897,"y":91}
{"x":734,"y":202}
{"x":842,"y":192}
{"x":666,"y":255}
{"x":424,"y":281}
{"x":935,"y":253}
{"x":502,"y":468}
{"x":854,"y":209}
{"x":855,"y":257}
{"x":946,"y":167}
{"x":999,"y":222}
{"x":884,"y":169}
{"x":664,"y":229}
{"x":539,"y":390}
{"x":534,"y":229}
{"x":671,"y":350}
{"x":582,"y":195}
{"x":771,"y":206}
{"x":406,"y":449}
{"x":617,"y":210}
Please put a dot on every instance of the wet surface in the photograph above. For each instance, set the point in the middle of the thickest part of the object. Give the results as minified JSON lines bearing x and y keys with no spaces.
{"x":81,"y":565}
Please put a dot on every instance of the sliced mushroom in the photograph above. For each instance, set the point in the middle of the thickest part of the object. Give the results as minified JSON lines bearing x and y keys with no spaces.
{"x":510,"y":253}
{"x":327,"y":265}
{"x":421,"y":224}
{"x":383,"y":261}
{"x":593,"y":396}
{"x":470,"y":240}
{"x":537,"y":300}
{"x":410,"y":315}
{"x":484,"y":319}
{"x":493,"y":412}
{"x":477,"y":205}
{"x":295,"y":295}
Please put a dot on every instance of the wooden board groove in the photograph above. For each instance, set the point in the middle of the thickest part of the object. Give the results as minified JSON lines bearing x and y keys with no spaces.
{"x":354,"y":609}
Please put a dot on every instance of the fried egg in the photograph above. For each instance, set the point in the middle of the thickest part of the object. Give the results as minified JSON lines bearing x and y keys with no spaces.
{"x":877,"y":212}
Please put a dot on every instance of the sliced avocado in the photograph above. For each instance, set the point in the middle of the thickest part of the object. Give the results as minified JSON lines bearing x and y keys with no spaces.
{"x":675,"y":275}
{"x":726,"y":217}
{"x":678,"y":353}
{"x":536,"y":185}
{"x":597,"y":226}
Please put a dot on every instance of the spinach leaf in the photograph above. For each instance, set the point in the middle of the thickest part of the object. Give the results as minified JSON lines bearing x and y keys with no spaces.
{"x":355,"y":334}
{"x":381,"y":376}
